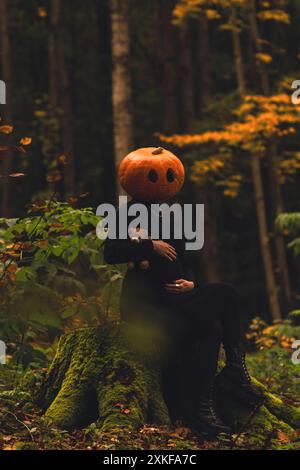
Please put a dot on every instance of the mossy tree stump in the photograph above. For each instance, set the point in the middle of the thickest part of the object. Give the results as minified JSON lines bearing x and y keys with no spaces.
{"x":97,"y":375}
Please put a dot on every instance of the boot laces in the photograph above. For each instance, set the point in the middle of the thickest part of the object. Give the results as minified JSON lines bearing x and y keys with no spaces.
{"x":211,"y":405}
{"x":244,"y":365}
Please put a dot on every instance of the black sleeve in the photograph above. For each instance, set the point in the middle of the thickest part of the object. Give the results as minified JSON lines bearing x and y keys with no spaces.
{"x":187,"y":270}
{"x":122,"y":251}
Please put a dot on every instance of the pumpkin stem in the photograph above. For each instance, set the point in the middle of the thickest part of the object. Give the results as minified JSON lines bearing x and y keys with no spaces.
{"x":157,"y":151}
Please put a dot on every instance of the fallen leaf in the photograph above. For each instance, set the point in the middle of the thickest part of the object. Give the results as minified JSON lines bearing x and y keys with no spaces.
{"x":282,"y":436}
{"x":72,"y":199}
{"x":62,"y":159}
{"x":54,"y":177}
{"x":6,"y":129}
{"x":26,"y":141}
{"x":16,"y":175}
{"x":42,"y":12}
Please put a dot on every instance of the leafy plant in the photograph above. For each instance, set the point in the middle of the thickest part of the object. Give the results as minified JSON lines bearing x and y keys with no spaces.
{"x":289,"y":224}
{"x":52,"y":277}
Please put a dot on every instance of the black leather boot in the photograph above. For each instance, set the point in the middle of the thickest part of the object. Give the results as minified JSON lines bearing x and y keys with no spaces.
{"x":236,"y":380}
{"x":205,"y":420}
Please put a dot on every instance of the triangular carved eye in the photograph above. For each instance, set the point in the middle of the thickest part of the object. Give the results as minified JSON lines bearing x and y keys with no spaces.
{"x":152,"y":176}
{"x":170,"y":175}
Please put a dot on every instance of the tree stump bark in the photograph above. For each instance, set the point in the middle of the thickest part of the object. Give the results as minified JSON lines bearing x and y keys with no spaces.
{"x":99,"y":375}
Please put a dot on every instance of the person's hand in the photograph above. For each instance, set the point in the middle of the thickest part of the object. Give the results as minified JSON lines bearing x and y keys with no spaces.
{"x":164,"y":249}
{"x":180,"y":286}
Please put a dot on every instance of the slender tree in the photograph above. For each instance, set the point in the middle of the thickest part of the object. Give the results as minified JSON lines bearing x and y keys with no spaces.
{"x":59,"y":93}
{"x":203,"y":64}
{"x":187,"y":88}
{"x":256,"y":171}
{"x":121,"y":82}
{"x":167,"y":50}
{"x":237,"y":50}
{"x":257,"y":183}
{"x":6,"y":75}
{"x":275,"y":187}
{"x":204,"y":193}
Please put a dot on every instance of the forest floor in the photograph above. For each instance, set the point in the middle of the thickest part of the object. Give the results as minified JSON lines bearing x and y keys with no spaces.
{"x":23,"y":427}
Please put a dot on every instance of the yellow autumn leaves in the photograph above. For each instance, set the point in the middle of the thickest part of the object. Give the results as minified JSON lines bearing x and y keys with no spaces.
{"x":212,"y":9}
{"x":260,"y":119}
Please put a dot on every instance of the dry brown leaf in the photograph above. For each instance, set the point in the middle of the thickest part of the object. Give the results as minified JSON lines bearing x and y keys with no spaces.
{"x":6,"y":129}
{"x":26,"y":141}
{"x":17,"y":175}
{"x":282,"y":436}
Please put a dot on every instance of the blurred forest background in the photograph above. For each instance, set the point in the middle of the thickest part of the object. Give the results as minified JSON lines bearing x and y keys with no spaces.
{"x":87,"y":82}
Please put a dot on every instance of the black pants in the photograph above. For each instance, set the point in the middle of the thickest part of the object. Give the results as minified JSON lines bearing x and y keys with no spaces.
{"x":204,"y":318}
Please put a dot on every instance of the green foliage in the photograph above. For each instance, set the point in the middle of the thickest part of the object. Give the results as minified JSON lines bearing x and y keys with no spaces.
{"x":289,"y":223}
{"x":272,"y":362}
{"x":53,"y":277}
{"x":295,"y":317}
{"x":275,"y":369}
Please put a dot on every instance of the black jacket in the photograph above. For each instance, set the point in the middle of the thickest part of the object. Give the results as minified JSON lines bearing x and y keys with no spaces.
{"x":143,"y":289}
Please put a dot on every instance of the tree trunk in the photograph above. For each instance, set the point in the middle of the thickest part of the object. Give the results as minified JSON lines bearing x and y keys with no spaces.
{"x":66,"y":118}
{"x":265,"y":86}
{"x":5,"y":52}
{"x":209,"y":258}
{"x":121,"y":82}
{"x":186,"y":79}
{"x":277,"y":208}
{"x":97,"y":376}
{"x":274,"y":183}
{"x":59,"y":91}
{"x":167,"y":51}
{"x":203,"y":65}
{"x":264,"y":237}
{"x":53,"y":73}
{"x":258,"y":186}
{"x":52,"y":53}
{"x":238,"y":57}
{"x":209,"y":254}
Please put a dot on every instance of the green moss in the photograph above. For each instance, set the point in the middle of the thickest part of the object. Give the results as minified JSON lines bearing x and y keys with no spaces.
{"x":95,"y":374}
{"x":100,"y":375}
{"x":71,"y":405}
{"x":283,"y":411}
{"x":26,"y":446}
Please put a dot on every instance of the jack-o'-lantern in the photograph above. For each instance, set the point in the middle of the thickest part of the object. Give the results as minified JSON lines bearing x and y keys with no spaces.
{"x":151,"y":174}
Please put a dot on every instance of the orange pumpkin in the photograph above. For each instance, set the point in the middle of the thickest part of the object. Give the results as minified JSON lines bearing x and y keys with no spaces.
{"x":151,"y":174}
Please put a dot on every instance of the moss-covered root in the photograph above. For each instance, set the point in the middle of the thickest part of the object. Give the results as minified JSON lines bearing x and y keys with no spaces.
{"x":261,"y":426}
{"x":283,"y":411}
{"x":95,"y":376}
{"x":129,"y":391}
{"x":57,"y":371}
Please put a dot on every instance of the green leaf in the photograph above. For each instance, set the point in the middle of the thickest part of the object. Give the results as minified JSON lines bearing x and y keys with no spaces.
{"x":69,"y":311}
{"x":26,"y":275}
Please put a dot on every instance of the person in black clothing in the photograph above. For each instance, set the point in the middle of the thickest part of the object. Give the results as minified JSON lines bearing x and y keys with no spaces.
{"x":197,"y":317}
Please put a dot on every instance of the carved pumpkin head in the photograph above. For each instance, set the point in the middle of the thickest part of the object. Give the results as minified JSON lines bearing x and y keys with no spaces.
{"x":151,"y":174}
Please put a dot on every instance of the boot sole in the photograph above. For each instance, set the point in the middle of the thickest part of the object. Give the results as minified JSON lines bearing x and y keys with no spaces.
{"x":203,"y":430}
